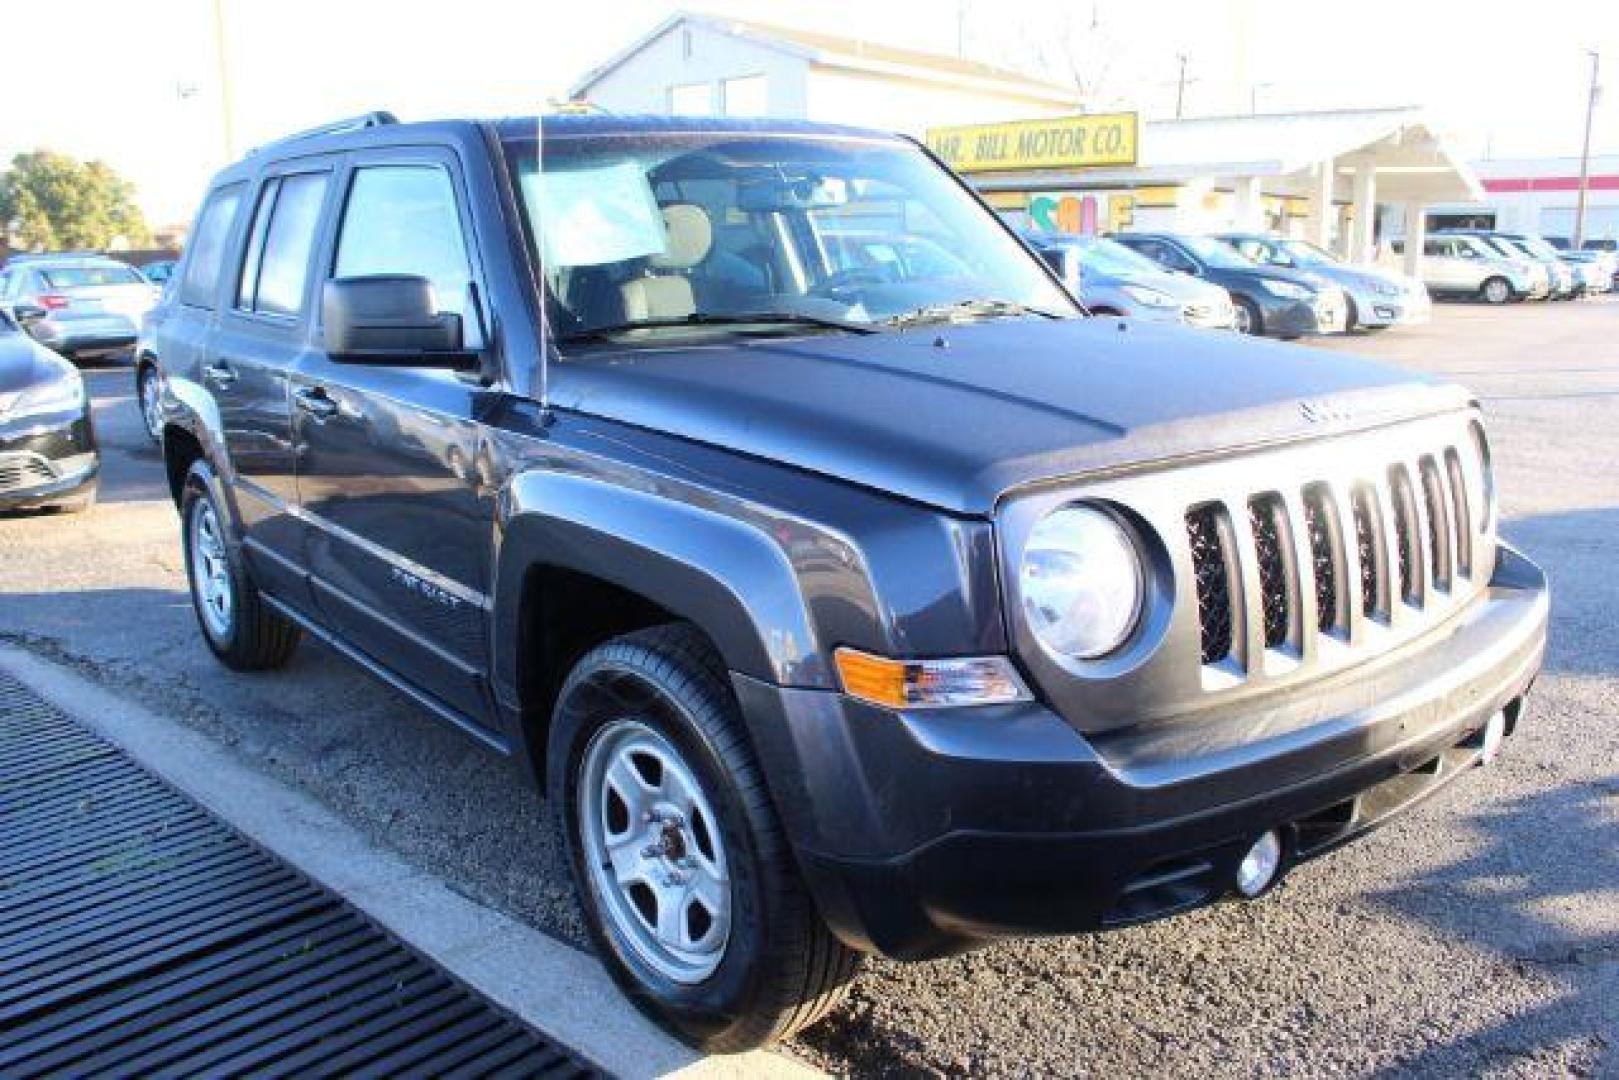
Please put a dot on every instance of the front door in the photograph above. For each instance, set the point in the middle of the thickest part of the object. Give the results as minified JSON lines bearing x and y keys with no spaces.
{"x":262,"y":330}
{"x":399,"y":527}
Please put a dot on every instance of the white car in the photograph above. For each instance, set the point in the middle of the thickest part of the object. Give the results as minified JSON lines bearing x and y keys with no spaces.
{"x":1468,"y":267}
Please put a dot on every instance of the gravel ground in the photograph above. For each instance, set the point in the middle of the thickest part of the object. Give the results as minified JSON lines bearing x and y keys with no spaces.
{"x":1479,"y":934}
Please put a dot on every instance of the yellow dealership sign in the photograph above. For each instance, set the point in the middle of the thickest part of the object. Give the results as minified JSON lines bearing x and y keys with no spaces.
{"x":1066,"y":143}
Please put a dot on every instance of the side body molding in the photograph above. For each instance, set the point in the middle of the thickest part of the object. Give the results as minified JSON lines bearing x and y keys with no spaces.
{"x":728,"y":576}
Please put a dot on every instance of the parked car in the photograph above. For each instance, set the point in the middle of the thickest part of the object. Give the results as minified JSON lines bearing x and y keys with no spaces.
{"x":1280,"y":303}
{"x":76,"y":305}
{"x":48,"y":454}
{"x":1110,"y":279}
{"x":880,"y":614}
{"x":1559,"y":274}
{"x":1467,"y":267}
{"x":1375,"y":298}
{"x":1598,"y":270}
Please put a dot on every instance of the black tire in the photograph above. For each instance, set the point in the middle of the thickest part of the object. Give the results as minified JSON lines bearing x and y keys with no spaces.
{"x":1248,"y":320}
{"x":1495,"y":290}
{"x":780,"y":968}
{"x":1351,"y":316}
{"x":254,"y":637}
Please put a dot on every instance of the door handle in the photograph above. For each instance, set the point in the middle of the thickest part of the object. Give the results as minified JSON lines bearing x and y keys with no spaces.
{"x":220,"y":374}
{"x":316,"y":402}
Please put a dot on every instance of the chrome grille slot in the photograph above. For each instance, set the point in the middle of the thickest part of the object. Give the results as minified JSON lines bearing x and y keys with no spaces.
{"x":1438,"y":514}
{"x":1326,"y":538}
{"x":1267,"y":516}
{"x":1407,"y":540}
{"x":1212,"y":566}
{"x":1461,"y":516}
{"x":1369,"y":552}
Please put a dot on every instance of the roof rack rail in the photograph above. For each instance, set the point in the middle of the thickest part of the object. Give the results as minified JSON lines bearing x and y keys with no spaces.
{"x":376,"y":118}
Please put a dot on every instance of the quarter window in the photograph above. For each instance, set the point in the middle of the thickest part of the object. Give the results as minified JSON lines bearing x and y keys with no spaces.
{"x":200,"y":285}
{"x":403,"y":219}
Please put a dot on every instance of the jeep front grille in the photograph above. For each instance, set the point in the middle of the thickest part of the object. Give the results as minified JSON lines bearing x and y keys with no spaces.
{"x":1328,"y":556}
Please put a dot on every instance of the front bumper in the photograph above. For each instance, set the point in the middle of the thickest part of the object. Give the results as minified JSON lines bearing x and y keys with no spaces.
{"x":1301,"y":318}
{"x":925,"y":833}
{"x":1403,"y":309}
{"x":47,"y":460}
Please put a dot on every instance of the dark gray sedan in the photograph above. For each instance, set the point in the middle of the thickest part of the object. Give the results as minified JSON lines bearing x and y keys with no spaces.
{"x":48,"y":452}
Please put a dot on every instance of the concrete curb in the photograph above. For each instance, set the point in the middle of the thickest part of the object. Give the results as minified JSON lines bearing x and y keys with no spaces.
{"x":556,"y":988}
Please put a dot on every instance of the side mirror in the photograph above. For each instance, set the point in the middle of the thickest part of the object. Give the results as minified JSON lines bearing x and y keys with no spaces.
{"x":390,"y":319}
{"x":27,"y":314}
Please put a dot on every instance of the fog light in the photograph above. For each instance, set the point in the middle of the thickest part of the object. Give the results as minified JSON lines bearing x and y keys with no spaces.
{"x":1495,"y":730}
{"x":1259,"y":866}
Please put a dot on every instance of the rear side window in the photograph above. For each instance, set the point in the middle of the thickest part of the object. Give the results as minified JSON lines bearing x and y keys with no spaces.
{"x":402,"y":219}
{"x":200,"y":284}
{"x":275,"y":271}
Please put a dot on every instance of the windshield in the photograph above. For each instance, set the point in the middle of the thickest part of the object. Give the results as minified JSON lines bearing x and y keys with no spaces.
{"x":1216,"y":253}
{"x":1500,"y":247}
{"x":689,"y":229}
{"x":1304,"y":253}
{"x":1539,"y":248}
{"x":1112,"y":257}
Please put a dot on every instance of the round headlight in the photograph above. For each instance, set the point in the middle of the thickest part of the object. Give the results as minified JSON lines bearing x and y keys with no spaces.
{"x":1080,"y":582}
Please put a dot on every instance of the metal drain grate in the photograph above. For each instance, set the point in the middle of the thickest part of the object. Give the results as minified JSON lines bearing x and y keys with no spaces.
{"x":141,"y":936}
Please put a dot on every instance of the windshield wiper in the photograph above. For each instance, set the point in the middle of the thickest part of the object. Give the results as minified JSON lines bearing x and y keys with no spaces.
{"x":710,"y":318}
{"x":967,"y":309}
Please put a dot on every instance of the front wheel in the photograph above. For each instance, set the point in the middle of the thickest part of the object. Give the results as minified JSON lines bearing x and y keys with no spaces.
{"x":687,"y":881}
{"x":1496,"y":291}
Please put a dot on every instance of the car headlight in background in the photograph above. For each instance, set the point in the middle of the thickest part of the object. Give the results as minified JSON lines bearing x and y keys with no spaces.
{"x":1286,"y":290}
{"x":1081,"y":582}
{"x":58,"y":395}
{"x":1150,"y":297}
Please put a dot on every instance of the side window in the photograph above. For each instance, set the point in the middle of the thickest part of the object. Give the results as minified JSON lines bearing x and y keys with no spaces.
{"x":7,"y":280}
{"x":1436,"y":248}
{"x":289,"y":240}
{"x":206,"y":253}
{"x":402,"y":219}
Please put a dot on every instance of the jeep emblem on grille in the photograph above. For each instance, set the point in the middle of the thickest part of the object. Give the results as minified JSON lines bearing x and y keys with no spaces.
{"x":1323,"y":411}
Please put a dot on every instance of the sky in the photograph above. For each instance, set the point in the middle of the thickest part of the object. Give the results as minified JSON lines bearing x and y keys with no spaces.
{"x":141,"y":90}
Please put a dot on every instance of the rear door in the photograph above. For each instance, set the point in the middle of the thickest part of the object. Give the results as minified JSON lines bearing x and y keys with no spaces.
{"x":263,"y":330}
{"x":400,"y":524}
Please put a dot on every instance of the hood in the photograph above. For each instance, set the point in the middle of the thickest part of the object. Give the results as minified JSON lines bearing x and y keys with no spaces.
{"x":1364,"y":277}
{"x":957,"y":417}
{"x":25,"y":363}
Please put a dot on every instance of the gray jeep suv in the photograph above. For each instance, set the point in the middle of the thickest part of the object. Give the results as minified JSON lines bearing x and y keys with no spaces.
{"x":840,"y":608}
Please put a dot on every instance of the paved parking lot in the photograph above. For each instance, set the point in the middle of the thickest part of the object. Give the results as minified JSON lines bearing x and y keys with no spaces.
{"x":1480,"y":933}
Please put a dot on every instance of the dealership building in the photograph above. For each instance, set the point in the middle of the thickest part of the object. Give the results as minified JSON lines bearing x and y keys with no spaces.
{"x":1343,"y":178}
{"x":1539,"y":195}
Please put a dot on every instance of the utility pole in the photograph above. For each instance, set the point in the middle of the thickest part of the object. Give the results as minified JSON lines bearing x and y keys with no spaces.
{"x":1180,"y":86}
{"x":1585,"y":149}
{"x":227,"y":103}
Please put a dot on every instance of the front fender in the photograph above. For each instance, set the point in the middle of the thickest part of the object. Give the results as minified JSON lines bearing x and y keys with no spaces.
{"x":190,"y":406}
{"x":730,"y":577}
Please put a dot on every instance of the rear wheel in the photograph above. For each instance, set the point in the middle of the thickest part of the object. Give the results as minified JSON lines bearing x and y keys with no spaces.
{"x":686,"y":878}
{"x":1496,"y":291}
{"x":1245,"y":318}
{"x":240,"y":628}
{"x":149,"y":388}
